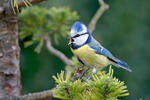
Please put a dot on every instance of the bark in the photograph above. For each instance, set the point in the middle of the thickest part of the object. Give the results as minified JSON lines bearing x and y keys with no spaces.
{"x":9,"y":52}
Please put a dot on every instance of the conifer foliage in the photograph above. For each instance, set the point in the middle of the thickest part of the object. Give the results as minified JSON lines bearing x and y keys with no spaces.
{"x":36,"y":23}
{"x":102,"y":86}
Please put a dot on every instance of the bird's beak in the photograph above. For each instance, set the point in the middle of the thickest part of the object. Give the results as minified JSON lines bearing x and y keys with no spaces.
{"x":69,"y":42}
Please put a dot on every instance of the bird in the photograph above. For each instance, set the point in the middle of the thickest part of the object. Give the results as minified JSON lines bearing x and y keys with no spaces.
{"x":89,"y":51}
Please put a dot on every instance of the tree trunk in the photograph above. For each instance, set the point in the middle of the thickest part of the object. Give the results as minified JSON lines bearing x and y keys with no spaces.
{"x":9,"y":52}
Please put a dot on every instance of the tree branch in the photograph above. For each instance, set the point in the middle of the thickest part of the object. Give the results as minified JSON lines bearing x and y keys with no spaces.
{"x":98,"y":14}
{"x":56,"y":52}
{"x":45,"y":95}
{"x":21,"y":3}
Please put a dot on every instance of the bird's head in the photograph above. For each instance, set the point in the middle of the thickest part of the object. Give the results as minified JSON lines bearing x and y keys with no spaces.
{"x":79,"y":34}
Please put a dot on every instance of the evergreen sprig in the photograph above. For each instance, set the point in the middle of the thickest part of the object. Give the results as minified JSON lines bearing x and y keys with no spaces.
{"x":14,"y":5}
{"x":37,"y":22}
{"x":102,"y":86}
{"x":67,"y":89}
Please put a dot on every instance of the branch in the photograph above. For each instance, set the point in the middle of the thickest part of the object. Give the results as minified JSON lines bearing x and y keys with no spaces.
{"x":45,"y":95}
{"x":56,"y":52}
{"x":21,"y":3}
{"x":98,"y":14}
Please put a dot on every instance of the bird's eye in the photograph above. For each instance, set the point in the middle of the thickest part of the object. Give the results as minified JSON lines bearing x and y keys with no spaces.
{"x":77,"y":35}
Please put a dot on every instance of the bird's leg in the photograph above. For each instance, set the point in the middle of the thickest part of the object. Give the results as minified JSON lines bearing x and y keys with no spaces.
{"x":93,"y":72}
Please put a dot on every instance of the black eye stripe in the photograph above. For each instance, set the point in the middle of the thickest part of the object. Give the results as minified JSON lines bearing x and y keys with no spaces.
{"x":78,"y":35}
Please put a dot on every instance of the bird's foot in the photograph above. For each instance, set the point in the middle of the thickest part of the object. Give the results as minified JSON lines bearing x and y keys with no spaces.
{"x":93,"y":72}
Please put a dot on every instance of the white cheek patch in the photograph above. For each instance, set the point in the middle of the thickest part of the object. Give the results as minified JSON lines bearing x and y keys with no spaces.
{"x":81,"y":39}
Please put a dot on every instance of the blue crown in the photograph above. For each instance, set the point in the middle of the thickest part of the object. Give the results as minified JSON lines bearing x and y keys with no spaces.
{"x":77,"y":26}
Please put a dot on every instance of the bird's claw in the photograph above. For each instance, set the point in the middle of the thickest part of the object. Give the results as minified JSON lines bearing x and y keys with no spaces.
{"x":93,"y":72}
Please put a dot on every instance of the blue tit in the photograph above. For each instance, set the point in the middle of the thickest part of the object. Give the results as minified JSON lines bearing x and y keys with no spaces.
{"x":89,"y":51}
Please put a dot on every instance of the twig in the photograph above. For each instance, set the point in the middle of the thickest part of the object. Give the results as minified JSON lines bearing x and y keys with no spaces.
{"x":45,"y":95}
{"x":98,"y":14}
{"x":56,"y":52}
{"x":67,"y":90}
{"x":106,"y":88}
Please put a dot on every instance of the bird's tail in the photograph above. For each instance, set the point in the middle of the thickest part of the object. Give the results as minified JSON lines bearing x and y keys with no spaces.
{"x":116,"y":62}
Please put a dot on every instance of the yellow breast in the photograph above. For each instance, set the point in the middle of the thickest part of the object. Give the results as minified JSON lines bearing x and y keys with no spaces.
{"x":86,"y":54}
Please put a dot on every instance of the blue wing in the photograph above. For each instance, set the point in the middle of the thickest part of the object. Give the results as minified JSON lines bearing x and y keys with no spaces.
{"x":99,"y":49}
{"x":103,"y":51}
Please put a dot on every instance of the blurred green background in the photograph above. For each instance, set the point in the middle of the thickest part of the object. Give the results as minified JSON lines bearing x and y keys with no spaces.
{"x":124,"y":29}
